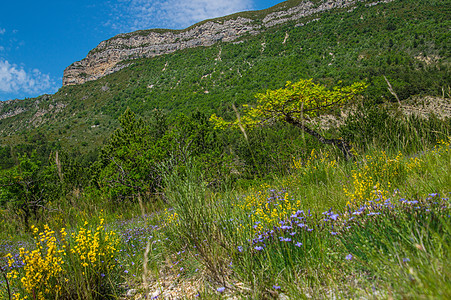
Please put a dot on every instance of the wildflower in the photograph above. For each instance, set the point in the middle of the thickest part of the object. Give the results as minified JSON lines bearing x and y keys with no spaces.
{"x":405,"y":259}
{"x":221,"y":289}
{"x":349,"y":257}
{"x":334,"y":216}
{"x":373,"y":213}
{"x":276,"y":287}
{"x":258,"y":248}
{"x":298,"y":244}
{"x":240,"y":249}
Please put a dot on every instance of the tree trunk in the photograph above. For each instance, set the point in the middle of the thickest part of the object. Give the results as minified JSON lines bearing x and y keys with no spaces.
{"x":344,"y":147}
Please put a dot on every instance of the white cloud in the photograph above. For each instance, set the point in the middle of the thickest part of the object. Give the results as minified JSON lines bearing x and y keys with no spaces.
{"x":132,"y":15}
{"x":2,"y":30}
{"x":14,"y":79}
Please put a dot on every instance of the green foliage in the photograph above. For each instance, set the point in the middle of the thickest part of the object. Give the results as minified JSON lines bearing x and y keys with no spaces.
{"x":127,"y":160}
{"x":295,"y":104}
{"x":367,"y":125}
{"x":130,"y":159}
{"x":6,"y":159}
{"x":28,"y":187}
{"x":299,"y":101}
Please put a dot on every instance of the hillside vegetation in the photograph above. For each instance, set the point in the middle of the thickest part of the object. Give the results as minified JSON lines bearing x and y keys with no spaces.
{"x":212,"y":172}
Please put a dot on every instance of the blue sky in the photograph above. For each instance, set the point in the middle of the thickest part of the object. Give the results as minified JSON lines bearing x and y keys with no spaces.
{"x":39,"y":39}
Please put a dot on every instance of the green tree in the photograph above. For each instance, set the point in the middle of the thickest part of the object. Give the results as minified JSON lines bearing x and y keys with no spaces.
{"x":128,"y":159}
{"x":28,"y":187}
{"x":194,"y":137}
{"x":6,"y":158}
{"x":296,"y":104}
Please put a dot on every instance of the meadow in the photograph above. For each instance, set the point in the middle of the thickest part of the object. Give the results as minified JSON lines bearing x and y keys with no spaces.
{"x":375,"y":227}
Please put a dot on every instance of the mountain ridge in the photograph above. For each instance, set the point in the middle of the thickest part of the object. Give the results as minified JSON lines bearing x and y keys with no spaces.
{"x":115,"y":53}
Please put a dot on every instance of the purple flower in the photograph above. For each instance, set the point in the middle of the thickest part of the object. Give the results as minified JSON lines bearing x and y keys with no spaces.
{"x":276,"y":287}
{"x":282,"y":239}
{"x":298,"y":244}
{"x":373,"y":213}
{"x":258,"y":248}
{"x":240,"y":248}
{"x":349,"y":257}
{"x":221,"y":289}
{"x":405,"y":259}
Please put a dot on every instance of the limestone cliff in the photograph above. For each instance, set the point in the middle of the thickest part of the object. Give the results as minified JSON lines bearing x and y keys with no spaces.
{"x":112,"y":55}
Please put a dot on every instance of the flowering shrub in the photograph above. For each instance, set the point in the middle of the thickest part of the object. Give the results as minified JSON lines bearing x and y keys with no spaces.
{"x":64,"y":265}
{"x":170,"y":216}
{"x":314,"y":161}
{"x":267,"y":207}
{"x":376,"y":175}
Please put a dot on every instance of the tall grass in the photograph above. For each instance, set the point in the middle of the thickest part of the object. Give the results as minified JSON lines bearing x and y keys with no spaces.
{"x":285,"y":237}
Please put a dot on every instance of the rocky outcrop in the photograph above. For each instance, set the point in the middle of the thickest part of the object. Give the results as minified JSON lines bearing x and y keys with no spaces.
{"x":11,"y":113}
{"x":108,"y":56}
{"x":114,"y":54}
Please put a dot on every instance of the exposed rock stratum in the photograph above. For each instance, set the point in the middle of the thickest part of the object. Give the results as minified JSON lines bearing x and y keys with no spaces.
{"x":116,"y":53}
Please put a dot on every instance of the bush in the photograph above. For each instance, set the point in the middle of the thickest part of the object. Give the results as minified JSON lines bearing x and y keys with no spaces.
{"x":77,"y":265}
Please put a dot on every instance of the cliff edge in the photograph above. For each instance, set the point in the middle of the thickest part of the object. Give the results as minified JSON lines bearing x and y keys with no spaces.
{"x":114,"y":54}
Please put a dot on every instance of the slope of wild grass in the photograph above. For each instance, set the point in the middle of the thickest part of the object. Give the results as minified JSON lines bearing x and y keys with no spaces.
{"x":376,"y":227}
{"x":406,"y":41}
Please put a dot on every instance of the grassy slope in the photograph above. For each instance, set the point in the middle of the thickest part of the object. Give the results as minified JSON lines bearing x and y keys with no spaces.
{"x":367,"y":43}
{"x":396,"y":246}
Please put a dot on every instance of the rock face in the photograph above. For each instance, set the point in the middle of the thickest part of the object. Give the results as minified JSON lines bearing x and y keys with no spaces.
{"x":106,"y":58}
{"x":112,"y":55}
